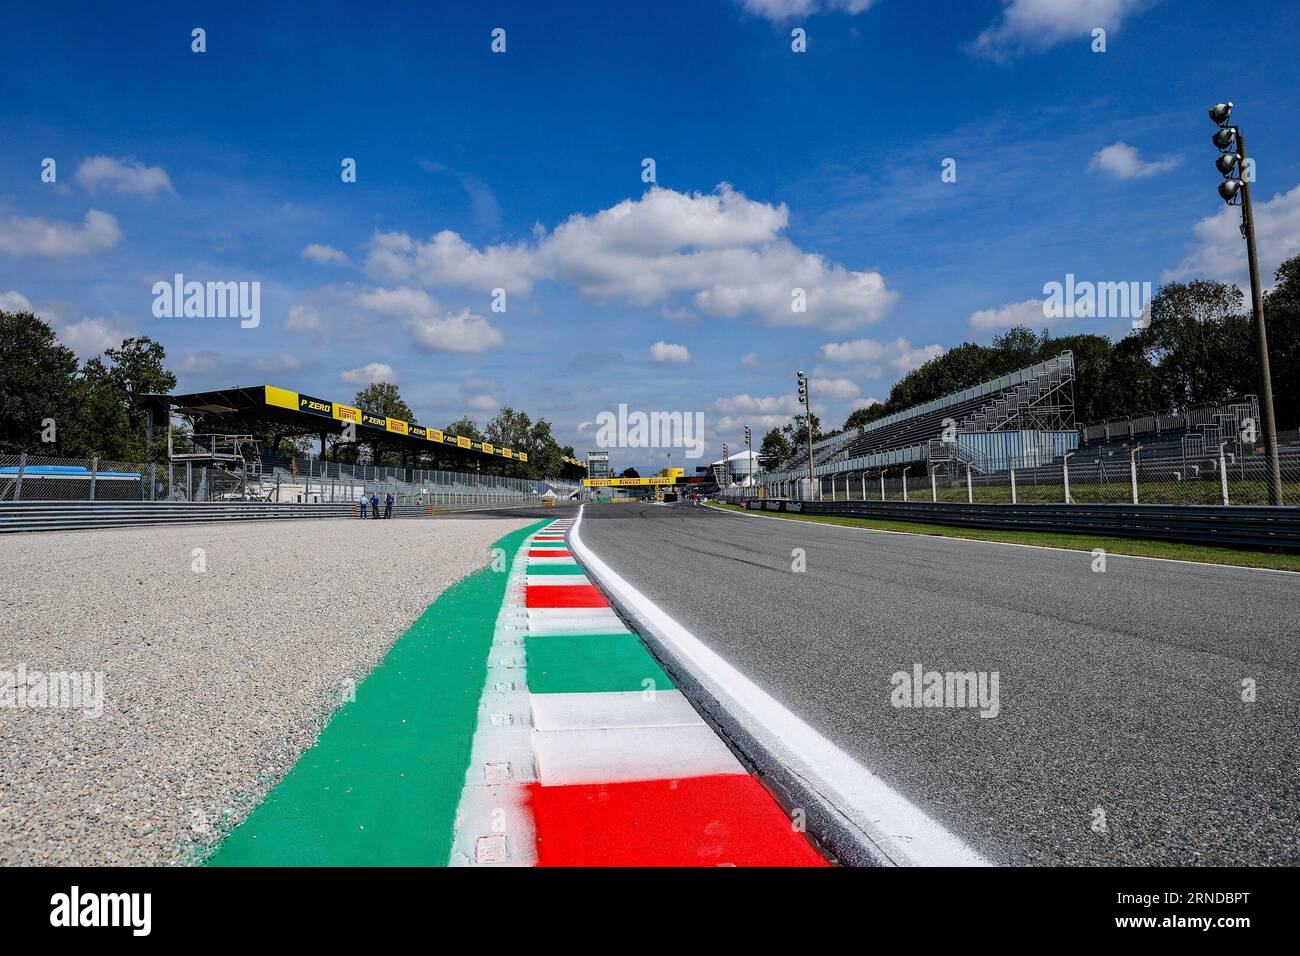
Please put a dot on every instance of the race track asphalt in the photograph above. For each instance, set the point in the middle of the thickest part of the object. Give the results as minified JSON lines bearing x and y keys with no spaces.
{"x":1120,"y":693}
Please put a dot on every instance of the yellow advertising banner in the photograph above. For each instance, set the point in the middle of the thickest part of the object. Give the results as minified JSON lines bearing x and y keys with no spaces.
{"x":281,"y":398}
{"x":626,"y":482}
{"x":346,"y":413}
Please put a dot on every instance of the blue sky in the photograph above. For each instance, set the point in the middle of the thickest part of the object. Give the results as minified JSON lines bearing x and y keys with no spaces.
{"x":522,"y":170}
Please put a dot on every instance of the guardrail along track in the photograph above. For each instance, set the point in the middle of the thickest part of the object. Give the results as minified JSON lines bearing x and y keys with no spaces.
{"x":75,"y":515}
{"x":1239,"y":525}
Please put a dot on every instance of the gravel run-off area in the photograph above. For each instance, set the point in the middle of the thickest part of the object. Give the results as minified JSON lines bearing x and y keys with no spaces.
{"x":214,"y":681}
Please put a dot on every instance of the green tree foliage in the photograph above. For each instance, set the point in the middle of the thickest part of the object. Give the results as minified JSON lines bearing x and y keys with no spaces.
{"x":1197,"y":347}
{"x":775,"y":448}
{"x":385,"y":398}
{"x":38,"y":380}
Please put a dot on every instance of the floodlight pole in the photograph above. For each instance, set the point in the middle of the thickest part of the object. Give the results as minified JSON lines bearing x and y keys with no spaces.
{"x":809,"y":427}
{"x":1261,"y":334}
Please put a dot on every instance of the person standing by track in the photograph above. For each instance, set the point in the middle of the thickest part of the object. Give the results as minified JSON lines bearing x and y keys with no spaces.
{"x":388,"y":505}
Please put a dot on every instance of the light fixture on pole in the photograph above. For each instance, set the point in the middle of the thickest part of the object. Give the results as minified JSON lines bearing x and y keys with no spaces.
{"x":749,"y":456}
{"x":806,"y":402}
{"x":1234,"y":190}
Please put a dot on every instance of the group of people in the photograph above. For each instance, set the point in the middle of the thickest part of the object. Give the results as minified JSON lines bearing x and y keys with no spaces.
{"x":373,"y":503}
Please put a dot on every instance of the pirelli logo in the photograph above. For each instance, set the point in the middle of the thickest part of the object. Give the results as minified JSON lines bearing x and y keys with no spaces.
{"x":395,"y":425}
{"x":487,"y":448}
{"x":346,"y":413}
{"x":433,"y":434}
{"x":464,"y":442}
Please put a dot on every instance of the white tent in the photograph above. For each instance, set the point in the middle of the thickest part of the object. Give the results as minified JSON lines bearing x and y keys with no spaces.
{"x":742,"y":464}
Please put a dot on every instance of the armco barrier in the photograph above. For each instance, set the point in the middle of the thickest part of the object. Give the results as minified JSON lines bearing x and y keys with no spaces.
{"x":74,"y":515}
{"x":1255,"y":527}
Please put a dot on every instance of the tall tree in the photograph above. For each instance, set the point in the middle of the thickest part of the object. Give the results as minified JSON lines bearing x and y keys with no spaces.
{"x":1282,"y":312}
{"x":37,"y":381}
{"x":775,"y":448}
{"x":384,"y":398}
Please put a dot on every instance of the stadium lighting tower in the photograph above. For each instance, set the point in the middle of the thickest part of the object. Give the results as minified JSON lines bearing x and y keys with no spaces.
{"x":806,"y":402}
{"x":1235,"y":190}
{"x":749,"y":461}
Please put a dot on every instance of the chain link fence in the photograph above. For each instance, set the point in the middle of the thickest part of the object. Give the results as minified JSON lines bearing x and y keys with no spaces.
{"x":306,"y":481}
{"x":1229,"y":475}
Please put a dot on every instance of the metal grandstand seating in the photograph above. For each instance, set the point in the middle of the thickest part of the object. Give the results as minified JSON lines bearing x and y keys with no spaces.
{"x":1039,"y":397}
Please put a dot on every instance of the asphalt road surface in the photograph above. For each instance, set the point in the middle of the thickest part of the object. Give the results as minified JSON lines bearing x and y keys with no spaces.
{"x":1121,"y":735}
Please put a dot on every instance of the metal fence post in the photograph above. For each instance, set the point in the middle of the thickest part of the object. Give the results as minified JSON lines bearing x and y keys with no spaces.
{"x":970,"y":491}
{"x":934,"y":487}
{"x":1013,"y":486}
{"x":882,"y":486}
{"x":22,"y":467}
{"x":189,"y":481}
{"x":1133,"y":470}
{"x":1065,"y":474}
{"x":153,"y":481}
{"x":1223,"y":474}
{"x":904,"y":484}
{"x":94,"y":475}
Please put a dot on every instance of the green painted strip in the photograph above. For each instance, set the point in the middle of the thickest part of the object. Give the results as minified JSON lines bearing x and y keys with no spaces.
{"x":556,"y":569}
{"x":381,"y":785}
{"x":590,"y":664}
{"x":541,"y":545}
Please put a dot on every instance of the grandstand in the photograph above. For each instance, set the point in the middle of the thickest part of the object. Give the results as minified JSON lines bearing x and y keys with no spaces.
{"x":1025,"y":417}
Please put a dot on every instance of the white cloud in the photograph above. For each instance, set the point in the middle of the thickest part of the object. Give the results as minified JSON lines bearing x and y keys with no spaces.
{"x":1122,"y":161}
{"x":199,"y":363}
{"x":1036,"y":25}
{"x":779,"y":10}
{"x":14,"y":301}
{"x":462,"y":332}
{"x":836,"y":389}
{"x":483,"y":403}
{"x":106,"y":174}
{"x":769,"y":405}
{"x":722,"y":250}
{"x":90,"y":337}
{"x":864,"y":403}
{"x":325,"y":255}
{"x":899,"y":354}
{"x":369,"y":373}
{"x":665,"y":352}
{"x":284,"y":362}
{"x":1028,"y":313}
{"x":749,"y":360}
{"x":30,"y":236}
{"x":759,"y":423}
{"x":304,"y":318}
{"x":1220,"y":252}
{"x":431,"y":329}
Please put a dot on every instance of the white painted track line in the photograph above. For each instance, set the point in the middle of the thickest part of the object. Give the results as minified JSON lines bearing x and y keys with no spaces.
{"x":903,"y":833}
